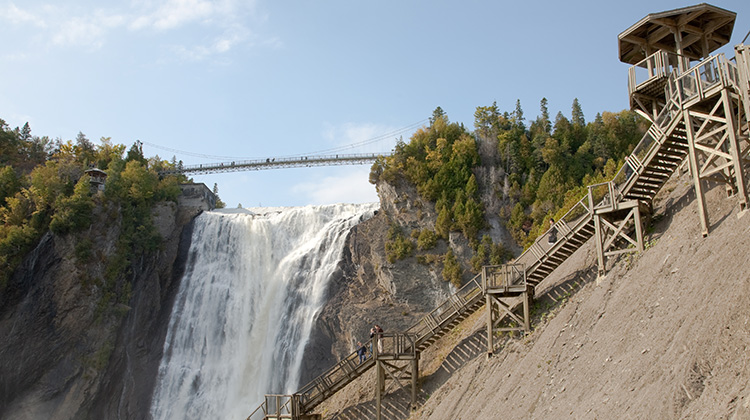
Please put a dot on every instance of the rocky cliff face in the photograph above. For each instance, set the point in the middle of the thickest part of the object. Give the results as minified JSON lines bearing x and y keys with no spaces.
{"x":67,"y":353}
{"x":368,"y":289}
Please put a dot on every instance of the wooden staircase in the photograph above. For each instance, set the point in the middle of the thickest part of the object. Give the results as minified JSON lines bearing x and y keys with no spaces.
{"x":658,"y":155}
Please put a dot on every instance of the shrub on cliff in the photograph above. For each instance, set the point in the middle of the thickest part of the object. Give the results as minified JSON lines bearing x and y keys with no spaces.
{"x":426,"y":240}
{"x":439,"y":160}
{"x":73,"y":213}
{"x":451,"y":269}
{"x":397,"y":246}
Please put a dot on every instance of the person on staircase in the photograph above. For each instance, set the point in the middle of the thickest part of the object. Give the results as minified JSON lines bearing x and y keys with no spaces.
{"x":379,"y":333}
{"x":552,"y":237}
{"x":372,"y":335}
{"x":361,"y":352}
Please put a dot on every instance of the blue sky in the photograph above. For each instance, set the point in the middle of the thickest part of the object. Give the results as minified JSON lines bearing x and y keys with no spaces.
{"x":255,"y":79}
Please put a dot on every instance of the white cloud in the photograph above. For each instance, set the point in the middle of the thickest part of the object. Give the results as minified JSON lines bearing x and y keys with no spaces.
{"x":351,"y":187}
{"x":362,"y":137}
{"x":16,"y":16}
{"x":80,"y":32}
{"x":222,"y":25}
{"x":175,"y":13}
{"x":14,"y":57}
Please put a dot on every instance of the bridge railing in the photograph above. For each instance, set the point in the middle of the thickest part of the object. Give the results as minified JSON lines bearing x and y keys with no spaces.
{"x":329,"y":381}
{"x":700,"y":81}
{"x":606,"y":195}
{"x":570,"y":223}
{"x":742,"y":58}
{"x":275,"y":163}
{"x":395,"y":346}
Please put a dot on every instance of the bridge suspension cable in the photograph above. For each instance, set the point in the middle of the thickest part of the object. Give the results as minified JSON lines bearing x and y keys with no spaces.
{"x":376,"y":139}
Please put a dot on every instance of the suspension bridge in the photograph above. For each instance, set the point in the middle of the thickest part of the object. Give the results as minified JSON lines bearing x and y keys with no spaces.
{"x":699,"y":107}
{"x":276,"y":163}
{"x":337,"y":156}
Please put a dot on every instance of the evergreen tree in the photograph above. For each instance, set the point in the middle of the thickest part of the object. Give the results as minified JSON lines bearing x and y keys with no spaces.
{"x":486,"y":121}
{"x":25,"y":133}
{"x":136,"y":153}
{"x":544,"y":121}
{"x":219,"y":204}
{"x":438,"y":113}
{"x":577,"y":114}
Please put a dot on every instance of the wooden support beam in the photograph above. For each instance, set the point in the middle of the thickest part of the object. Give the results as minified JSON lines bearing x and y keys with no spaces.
{"x":692,"y":154}
{"x":379,"y":389}
{"x":415,"y":379}
{"x":527,"y":308}
{"x":490,"y":325}
{"x":734,"y":146}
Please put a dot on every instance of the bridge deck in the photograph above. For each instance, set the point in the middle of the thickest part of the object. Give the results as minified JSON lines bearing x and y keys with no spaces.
{"x":276,"y":163}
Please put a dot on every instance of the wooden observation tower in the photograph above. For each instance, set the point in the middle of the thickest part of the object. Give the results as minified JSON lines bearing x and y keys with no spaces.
{"x":697,"y":103}
{"x":699,"y":107}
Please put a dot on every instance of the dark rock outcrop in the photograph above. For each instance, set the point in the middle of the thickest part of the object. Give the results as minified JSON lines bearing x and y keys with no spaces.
{"x":67,"y":351}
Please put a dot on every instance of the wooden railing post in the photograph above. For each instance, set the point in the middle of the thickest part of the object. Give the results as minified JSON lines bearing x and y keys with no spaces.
{"x":598,"y":240}
{"x":490,"y":326}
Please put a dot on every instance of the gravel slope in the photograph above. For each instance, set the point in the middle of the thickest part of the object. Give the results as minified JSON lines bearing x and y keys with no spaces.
{"x":664,"y":335}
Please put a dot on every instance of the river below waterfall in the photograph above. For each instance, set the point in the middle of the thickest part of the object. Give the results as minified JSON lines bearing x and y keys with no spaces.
{"x":254,"y":282}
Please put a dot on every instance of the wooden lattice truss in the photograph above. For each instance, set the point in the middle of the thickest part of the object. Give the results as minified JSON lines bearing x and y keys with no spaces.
{"x":718,"y":148}
{"x":396,"y":374}
{"x":500,"y":316}
{"x":618,"y":232}
{"x":647,"y":106}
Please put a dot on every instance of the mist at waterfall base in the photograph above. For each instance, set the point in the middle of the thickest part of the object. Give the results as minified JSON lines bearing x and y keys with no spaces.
{"x":253,"y":284}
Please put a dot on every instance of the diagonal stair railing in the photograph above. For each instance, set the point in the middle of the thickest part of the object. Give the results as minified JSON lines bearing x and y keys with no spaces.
{"x":432,"y":326}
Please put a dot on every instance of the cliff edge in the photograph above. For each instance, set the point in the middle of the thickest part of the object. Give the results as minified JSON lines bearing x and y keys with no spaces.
{"x":71,"y":348}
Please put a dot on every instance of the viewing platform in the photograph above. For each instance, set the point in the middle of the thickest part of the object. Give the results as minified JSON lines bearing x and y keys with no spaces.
{"x":663,"y":43}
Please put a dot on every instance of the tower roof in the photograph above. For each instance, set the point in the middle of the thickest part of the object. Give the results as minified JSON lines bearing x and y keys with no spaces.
{"x":700,"y":29}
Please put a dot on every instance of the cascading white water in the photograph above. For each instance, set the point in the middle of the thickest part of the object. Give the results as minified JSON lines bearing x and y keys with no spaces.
{"x":252,"y":287}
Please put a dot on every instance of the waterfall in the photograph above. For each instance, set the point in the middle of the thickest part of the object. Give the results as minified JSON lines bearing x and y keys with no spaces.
{"x":254,"y":282}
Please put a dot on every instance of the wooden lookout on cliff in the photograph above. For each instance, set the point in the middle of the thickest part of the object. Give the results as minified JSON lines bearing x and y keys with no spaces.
{"x":97,"y":178}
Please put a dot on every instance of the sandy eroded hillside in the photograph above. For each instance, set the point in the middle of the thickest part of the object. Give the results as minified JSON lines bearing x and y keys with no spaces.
{"x":664,"y":335}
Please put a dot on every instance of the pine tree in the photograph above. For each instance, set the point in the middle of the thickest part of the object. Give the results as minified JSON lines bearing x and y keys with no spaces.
{"x":544,"y":121}
{"x":577,"y":114}
{"x":436,"y":114}
{"x":25,"y":133}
